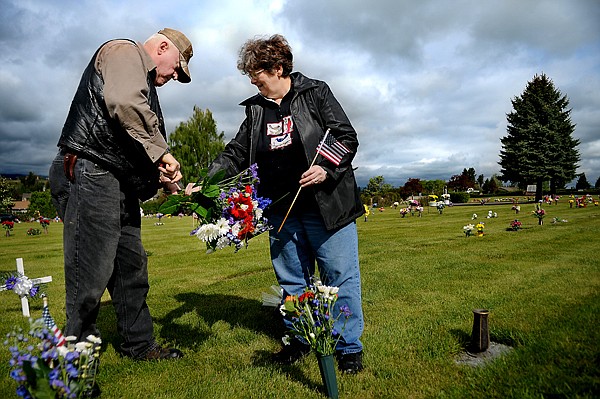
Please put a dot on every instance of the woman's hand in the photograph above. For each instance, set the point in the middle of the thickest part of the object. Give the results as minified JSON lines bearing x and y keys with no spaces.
{"x":314,"y":175}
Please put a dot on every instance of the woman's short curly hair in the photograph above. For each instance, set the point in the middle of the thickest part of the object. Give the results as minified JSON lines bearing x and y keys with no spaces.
{"x":266,"y":53}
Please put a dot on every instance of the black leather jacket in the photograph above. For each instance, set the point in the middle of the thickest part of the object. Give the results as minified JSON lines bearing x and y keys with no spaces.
{"x":92,"y":134}
{"x":314,"y":109}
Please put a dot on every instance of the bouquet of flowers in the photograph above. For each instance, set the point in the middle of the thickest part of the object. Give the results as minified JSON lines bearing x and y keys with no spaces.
{"x":539,"y":213}
{"x":420,"y":210}
{"x":44,"y":223}
{"x":440,"y":207}
{"x":46,"y":365}
{"x":404,"y":211}
{"x":313,"y":319}
{"x":33,"y":232}
{"x":468,"y":230}
{"x":229,"y":211}
{"x":480,"y":226}
{"x":8,"y":226}
{"x":491,"y":215}
{"x":413,"y":203}
{"x":515,"y":225}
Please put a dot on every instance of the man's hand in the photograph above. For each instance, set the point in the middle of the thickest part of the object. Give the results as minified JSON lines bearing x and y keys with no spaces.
{"x":170,"y":173}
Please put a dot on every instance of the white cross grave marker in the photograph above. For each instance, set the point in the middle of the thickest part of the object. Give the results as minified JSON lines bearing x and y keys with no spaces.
{"x":33,"y":281}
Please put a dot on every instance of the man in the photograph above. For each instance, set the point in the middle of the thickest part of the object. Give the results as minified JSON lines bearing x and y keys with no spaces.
{"x":113,"y":153}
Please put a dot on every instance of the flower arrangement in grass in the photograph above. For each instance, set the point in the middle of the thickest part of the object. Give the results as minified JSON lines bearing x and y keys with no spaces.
{"x":45,"y":367}
{"x":480,"y":226}
{"x":229,"y":211}
{"x":440,"y":207}
{"x":8,"y":226}
{"x":404,"y":211}
{"x":468,"y":230}
{"x":538,"y":212}
{"x":491,"y":215}
{"x":312,"y":315}
{"x":33,"y":232}
{"x":515,"y":225}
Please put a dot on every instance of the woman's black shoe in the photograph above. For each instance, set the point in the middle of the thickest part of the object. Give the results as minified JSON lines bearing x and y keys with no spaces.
{"x":291,"y":353}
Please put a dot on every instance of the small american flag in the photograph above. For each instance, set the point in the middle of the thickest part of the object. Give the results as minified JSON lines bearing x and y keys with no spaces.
{"x":49,"y":322}
{"x":332,"y":149}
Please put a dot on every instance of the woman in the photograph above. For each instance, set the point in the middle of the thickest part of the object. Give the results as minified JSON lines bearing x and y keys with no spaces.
{"x":283,"y":127}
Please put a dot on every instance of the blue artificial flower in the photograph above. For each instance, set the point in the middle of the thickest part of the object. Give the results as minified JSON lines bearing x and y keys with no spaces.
{"x":33,"y":291}
{"x":335,"y":332}
{"x":54,"y":374}
{"x":254,"y":172}
{"x":10,"y":282}
{"x":72,"y":370}
{"x":345,"y":310}
{"x":23,"y":392}
{"x":69,"y":357}
{"x":18,"y":375}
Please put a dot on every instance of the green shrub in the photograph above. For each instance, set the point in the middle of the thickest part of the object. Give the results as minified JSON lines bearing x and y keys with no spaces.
{"x":459,"y":197}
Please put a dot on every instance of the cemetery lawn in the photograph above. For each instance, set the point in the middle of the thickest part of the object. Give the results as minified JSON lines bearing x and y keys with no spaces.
{"x":422,"y":278}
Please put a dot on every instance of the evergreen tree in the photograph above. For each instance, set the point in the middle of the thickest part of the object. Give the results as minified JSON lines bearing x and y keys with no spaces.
{"x":597,"y":185}
{"x":539,"y":146}
{"x":196,"y":143}
{"x":582,"y":183}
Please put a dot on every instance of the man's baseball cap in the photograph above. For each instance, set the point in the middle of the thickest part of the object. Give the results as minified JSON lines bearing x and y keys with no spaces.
{"x":184,"y":46}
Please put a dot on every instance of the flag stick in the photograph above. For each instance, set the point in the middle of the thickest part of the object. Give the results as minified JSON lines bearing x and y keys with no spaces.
{"x":300,"y":188}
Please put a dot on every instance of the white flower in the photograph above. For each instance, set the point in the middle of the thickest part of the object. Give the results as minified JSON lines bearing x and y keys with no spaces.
{"x":282,"y":310}
{"x":70,"y":338}
{"x":243,"y":207}
{"x":23,"y":286}
{"x":83,"y":347}
{"x":286,"y":339}
{"x":235,"y":229}
{"x":208,"y":232}
{"x":474,"y":216}
{"x":223,"y":226}
{"x":222,"y":242}
{"x":323,"y":289}
{"x":62,"y":351}
{"x":93,"y":339}
{"x":312,"y":335}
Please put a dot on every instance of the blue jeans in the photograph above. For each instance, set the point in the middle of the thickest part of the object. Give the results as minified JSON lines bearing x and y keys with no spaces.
{"x":304,"y":240}
{"x":102,"y":251}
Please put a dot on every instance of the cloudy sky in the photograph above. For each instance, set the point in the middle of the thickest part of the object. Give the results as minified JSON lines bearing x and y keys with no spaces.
{"x":427,"y":84}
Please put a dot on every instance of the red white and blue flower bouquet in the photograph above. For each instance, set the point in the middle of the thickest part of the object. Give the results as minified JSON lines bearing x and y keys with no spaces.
{"x":229,"y":211}
{"x":313,"y":316}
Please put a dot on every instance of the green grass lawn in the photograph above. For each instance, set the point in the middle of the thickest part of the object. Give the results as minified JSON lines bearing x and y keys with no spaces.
{"x":421,"y":280}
